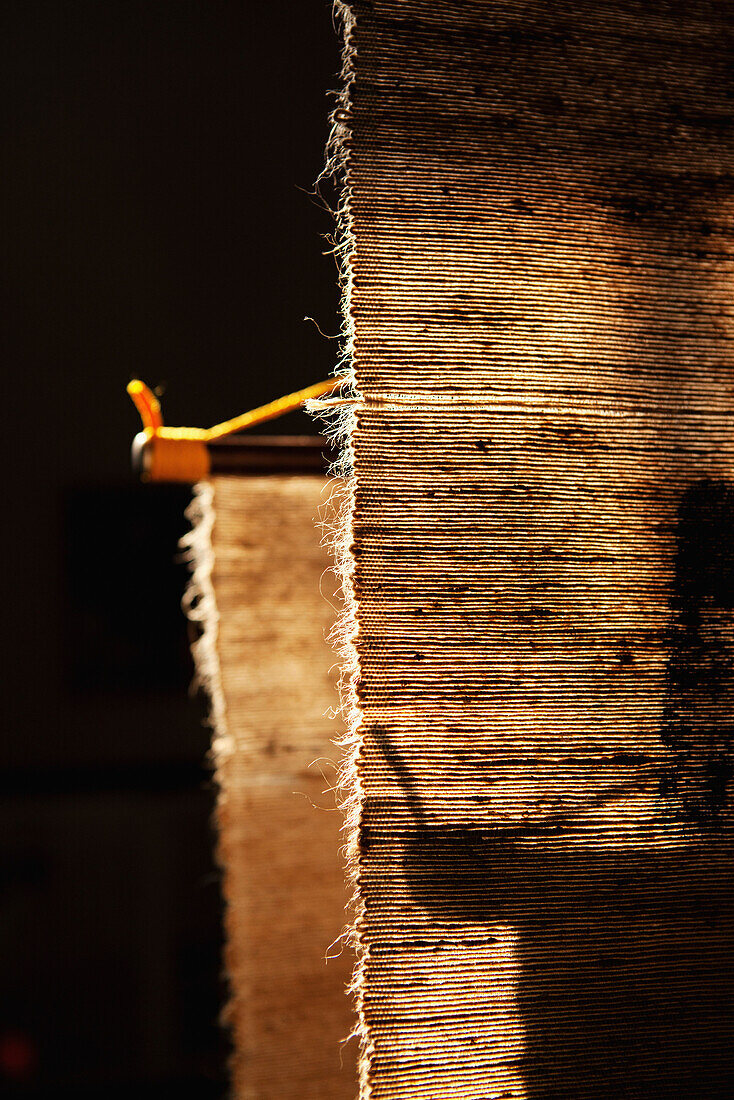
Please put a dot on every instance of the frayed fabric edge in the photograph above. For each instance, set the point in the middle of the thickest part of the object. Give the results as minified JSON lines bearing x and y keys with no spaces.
{"x":340,"y":419}
{"x":200,"y":606}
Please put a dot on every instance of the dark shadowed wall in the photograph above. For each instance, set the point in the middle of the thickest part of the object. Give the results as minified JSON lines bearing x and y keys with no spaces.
{"x":156,"y":222}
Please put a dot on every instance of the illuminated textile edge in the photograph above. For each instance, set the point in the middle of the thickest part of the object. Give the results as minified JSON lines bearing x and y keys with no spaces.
{"x":200,"y":606}
{"x":340,"y":419}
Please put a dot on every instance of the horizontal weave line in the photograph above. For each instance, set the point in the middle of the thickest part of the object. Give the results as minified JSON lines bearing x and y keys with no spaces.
{"x":424,"y":402}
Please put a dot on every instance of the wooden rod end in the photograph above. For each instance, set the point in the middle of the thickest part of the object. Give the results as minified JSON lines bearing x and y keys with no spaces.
{"x":156,"y":458}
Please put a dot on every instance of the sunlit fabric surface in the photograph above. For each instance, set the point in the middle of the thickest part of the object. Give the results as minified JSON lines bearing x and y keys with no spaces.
{"x":540,"y":214}
{"x":265,"y":602}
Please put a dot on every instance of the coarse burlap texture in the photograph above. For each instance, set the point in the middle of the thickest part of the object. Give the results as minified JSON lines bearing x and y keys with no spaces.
{"x":261,"y":589}
{"x":538,"y":229}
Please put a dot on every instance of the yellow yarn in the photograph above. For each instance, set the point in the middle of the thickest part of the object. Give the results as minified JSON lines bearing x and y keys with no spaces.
{"x":180,"y":454}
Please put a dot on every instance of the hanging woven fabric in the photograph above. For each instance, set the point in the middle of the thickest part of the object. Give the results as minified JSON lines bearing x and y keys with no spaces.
{"x":537,"y":224}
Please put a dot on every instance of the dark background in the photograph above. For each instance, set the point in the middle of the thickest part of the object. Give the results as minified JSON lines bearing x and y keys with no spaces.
{"x":155,"y":223}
